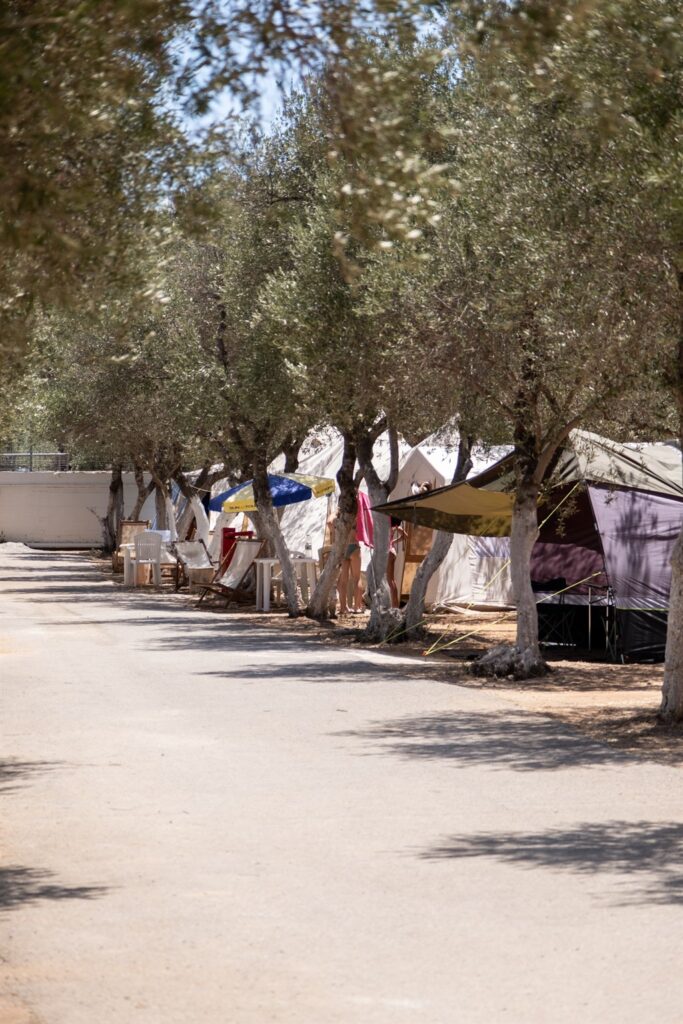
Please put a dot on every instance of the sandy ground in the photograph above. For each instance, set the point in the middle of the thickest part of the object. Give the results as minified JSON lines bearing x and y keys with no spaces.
{"x":211,"y":818}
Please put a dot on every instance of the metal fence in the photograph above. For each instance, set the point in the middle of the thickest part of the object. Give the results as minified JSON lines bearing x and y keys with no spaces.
{"x":30,"y":461}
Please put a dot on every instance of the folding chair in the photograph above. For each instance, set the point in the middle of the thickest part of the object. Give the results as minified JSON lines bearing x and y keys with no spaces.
{"x":190,"y":554}
{"x":228,"y":581}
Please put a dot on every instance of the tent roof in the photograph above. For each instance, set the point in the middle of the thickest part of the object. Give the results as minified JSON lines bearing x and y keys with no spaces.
{"x":639,"y":467}
{"x":594,"y":459}
{"x":483,"y":505}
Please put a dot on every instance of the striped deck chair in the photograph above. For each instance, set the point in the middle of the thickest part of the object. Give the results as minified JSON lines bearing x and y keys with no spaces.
{"x":228,"y":581}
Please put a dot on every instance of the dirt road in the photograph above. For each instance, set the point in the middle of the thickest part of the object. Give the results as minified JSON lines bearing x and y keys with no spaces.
{"x":206,"y":821}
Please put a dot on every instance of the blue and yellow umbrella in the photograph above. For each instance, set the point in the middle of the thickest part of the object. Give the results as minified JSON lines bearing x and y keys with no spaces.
{"x":285,"y":488}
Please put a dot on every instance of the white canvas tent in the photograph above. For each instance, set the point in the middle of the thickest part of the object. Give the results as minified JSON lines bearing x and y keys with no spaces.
{"x":474,"y":570}
{"x":305,"y":522}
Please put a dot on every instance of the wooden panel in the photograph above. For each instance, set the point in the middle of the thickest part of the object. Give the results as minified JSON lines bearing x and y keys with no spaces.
{"x":418,"y":542}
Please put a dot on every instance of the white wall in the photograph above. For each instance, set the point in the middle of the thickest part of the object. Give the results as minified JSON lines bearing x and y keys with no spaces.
{"x":59,"y":508}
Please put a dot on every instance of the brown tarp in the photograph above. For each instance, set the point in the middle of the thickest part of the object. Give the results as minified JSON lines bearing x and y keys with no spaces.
{"x":456,"y":509}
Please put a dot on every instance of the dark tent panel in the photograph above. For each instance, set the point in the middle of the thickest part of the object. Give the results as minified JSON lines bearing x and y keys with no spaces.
{"x":458,"y":508}
{"x":568,"y":545}
{"x":641,"y":634}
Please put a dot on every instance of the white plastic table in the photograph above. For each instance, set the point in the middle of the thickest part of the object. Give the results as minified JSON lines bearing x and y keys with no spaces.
{"x":304,"y":567}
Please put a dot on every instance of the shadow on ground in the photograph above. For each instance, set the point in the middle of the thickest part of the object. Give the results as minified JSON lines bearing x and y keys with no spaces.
{"x":320,"y":671}
{"x":15,"y":773}
{"x":630,"y":729}
{"x":21,"y":886}
{"x":500,"y":739}
{"x":646,"y":856}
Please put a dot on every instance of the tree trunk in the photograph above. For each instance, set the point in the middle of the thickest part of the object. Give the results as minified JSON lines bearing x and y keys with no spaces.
{"x":523,"y":534}
{"x":414,"y":612}
{"x":110,"y":523}
{"x":290,"y":448}
{"x":318,"y":604}
{"x":207,"y":477}
{"x":269,"y":528}
{"x":384,"y":619}
{"x":524,"y":660}
{"x":671,"y":707}
{"x":144,"y":491}
{"x":160,"y":507}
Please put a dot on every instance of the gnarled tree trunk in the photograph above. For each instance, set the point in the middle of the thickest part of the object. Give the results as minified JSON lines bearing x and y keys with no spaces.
{"x":290,"y":449}
{"x":197,"y":490}
{"x":114,"y":515}
{"x":269,"y":528}
{"x":523,"y":534}
{"x":414,"y":612}
{"x":319,"y":602}
{"x":524,"y":660}
{"x":160,"y":506}
{"x":144,"y":491}
{"x":383,"y":618}
{"x":671,"y":708}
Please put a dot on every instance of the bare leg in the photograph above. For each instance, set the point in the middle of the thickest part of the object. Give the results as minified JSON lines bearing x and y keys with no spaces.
{"x":391,"y":578}
{"x":354,"y":565}
{"x":343,"y":586}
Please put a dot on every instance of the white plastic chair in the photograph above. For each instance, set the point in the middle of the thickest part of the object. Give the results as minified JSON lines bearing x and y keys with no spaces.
{"x":148,"y":552}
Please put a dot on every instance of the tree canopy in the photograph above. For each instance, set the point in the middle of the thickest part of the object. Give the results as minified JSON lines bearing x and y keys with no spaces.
{"x":468,"y":211}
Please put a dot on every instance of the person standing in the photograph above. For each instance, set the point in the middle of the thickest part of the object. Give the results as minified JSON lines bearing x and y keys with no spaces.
{"x":362,"y":533}
{"x":396,"y":536}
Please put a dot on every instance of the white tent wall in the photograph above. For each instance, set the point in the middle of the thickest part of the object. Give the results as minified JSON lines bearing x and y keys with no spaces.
{"x":305,"y":521}
{"x":471,"y":573}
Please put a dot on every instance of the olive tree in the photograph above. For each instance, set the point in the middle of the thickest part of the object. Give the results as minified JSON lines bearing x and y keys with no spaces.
{"x":553,"y":289}
{"x":121,"y":402}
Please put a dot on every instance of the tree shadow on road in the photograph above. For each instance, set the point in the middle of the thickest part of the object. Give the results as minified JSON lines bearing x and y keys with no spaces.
{"x":59,"y":575}
{"x":497,"y":739}
{"x":82,"y":592}
{"x":209,"y":635}
{"x":647,"y":855}
{"x":15,"y":773}
{"x":320,"y":671}
{"x":22,"y":886}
